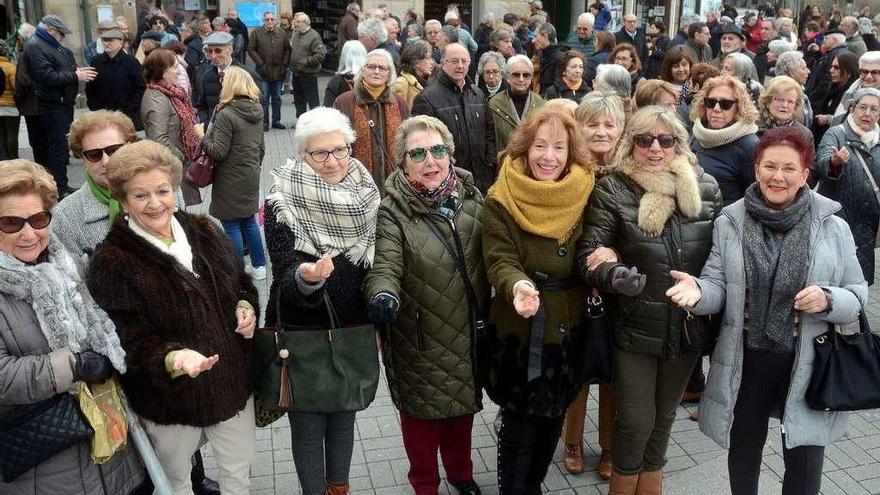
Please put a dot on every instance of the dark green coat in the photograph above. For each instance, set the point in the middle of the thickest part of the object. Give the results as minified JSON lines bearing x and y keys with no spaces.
{"x":512,"y":254}
{"x":648,"y":323}
{"x":428,"y":351}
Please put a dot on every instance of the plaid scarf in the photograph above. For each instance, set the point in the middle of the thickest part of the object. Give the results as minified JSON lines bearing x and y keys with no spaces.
{"x":328,"y":218}
{"x":189,"y":140}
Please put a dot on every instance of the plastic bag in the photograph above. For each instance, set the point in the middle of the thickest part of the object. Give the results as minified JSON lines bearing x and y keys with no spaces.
{"x":102,"y":407}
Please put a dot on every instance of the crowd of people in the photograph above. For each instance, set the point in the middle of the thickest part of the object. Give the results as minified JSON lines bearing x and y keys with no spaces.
{"x":466,"y":192}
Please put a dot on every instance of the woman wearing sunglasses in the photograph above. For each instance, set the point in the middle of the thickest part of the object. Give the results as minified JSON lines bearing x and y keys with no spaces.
{"x":428,"y":293}
{"x":375,"y":112}
{"x":724,"y":134}
{"x":43,"y":356}
{"x":655,"y":211}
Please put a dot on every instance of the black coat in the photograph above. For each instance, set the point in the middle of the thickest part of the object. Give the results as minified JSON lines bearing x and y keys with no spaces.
{"x":550,"y":60}
{"x":731,"y":165}
{"x":25,"y":97}
{"x":561,"y":90}
{"x":53,"y":71}
{"x":338,"y":84}
{"x":639,"y":42}
{"x":593,"y":63}
{"x":464,"y":112}
{"x":819,"y":81}
{"x":206,"y":91}
{"x":119,"y":86}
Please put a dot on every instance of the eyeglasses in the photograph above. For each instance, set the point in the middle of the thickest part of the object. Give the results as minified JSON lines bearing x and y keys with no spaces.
{"x":622,"y":58}
{"x":37,"y":221}
{"x":378,"y":67}
{"x":491,"y":72}
{"x":521,"y":75}
{"x":783,"y":101}
{"x":322,"y":156}
{"x":725,"y":104}
{"x":95,"y":155}
{"x":418,"y":155}
{"x":866,"y":109}
{"x":214,"y":51}
{"x":647,"y":140}
{"x":866,"y":72}
{"x":787,"y":171}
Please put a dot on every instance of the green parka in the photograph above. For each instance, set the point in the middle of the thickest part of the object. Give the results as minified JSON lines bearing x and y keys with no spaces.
{"x":429,"y":350}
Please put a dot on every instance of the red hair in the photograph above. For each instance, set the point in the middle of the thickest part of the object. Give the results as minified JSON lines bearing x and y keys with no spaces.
{"x":796,"y":138}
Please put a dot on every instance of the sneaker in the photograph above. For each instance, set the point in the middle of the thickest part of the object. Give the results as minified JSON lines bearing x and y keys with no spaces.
{"x":258,"y":273}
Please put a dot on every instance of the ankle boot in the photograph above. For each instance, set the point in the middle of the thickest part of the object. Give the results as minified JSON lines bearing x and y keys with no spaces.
{"x":650,"y":483}
{"x":604,"y":467}
{"x":332,"y":489}
{"x":623,"y":484}
{"x":574,"y":458}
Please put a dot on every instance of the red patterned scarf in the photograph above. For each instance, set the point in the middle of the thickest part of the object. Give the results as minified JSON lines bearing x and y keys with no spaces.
{"x":189,"y":140}
{"x":363,"y":149}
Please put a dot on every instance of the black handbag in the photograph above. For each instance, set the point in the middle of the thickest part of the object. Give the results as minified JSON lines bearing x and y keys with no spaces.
{"x":33,"y":433}
{"x":845,"y":370}
{"x":313,"y":368}
{"x":598,"y":343}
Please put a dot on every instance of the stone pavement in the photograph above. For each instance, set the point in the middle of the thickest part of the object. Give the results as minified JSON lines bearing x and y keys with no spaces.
{"x":696,"y":465}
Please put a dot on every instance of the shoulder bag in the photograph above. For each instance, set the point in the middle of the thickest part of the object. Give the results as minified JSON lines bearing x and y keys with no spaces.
{"x":845,"y":370}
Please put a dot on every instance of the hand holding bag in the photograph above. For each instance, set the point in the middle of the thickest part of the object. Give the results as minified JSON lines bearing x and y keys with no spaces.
{"x":845,"y":370}
{"x":200,"y":172}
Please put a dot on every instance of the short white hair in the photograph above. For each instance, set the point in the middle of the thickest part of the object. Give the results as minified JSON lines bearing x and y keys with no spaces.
{"x":781,"y":46}
{"x":352,"y":57}
{"x":788,"y":62}
{"x":386,"y":56}
{"x":317,"y":121}
{"x":487,"y":17}
{"x":839,"y":38}
{"x":303,"y":17}
{"x":432,"y":22}
{"x":373,"y":28}
{"x":518,"y":59}
{"x":869,"y":58}
{"x":588,"y":17}
{"x":451,"y":14}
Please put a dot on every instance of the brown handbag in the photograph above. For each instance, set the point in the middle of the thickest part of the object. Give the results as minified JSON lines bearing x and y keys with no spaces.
{"x":200,"y":172}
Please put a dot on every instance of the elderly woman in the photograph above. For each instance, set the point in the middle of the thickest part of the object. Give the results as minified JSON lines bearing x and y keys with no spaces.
{"x":740,"y":66}
{"x":782,"y":104}
{"x":724,"y":137}
{"x":792,"y":64}
{"x":42,"y":357}
{"x":168,"y":115}
{"x":428,"y":292}
{"x":503,"y":41}
{"x":235,"y":142}
{"x":311,"y":258}
{"x":571,"y":82}
{"x":533,"y":360}
{"x":416,"y":67}
{"x":351,"y":61}
{"x":184,"y":310}
{"x":772,"y":312}
{"x":626,"y":56}
{"x":655,"y":212}
{"x":846,"y":152}
{"x":375,"y":113}
{"x":510,"y":107}
{"x":655,"y":92}
{"x":601,"y":117}
{"x":612,"y":78}
{"x":490,"y":70}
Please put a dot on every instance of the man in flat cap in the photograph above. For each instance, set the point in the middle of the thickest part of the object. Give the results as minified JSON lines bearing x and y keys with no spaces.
{"x":56,"y":78}
{"x":150,"y":40}
{"x":209,"y":78}
{"x":120,"y":81}
{"x":96,"y":47}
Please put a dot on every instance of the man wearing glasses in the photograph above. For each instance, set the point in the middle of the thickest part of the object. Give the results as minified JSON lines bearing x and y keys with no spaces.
{"x":270,"y":49}
{"x":583,"y":39}
{"x":209,"y":78}
{"x":306,"y":55}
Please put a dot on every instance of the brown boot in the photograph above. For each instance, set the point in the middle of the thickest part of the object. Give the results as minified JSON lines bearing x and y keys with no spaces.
{"x":623,"y":484}
{"x":604,"y":466}
{"x":574,"y":458}
{"x":650,"y":483}
{"x":331,"y":489}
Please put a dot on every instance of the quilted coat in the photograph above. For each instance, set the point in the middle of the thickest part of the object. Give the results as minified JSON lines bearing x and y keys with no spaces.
{"x":852,"y":190}
{"x":429,"y":350}
{"x":504,"y":115}
{"x":647,"y":323}
{"x":832,"y":266}
{"x":512,"y":254}
{"x":731,"y":165}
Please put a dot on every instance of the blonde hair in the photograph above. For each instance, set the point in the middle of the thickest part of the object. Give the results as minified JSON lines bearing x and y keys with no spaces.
{"x":237,"y":82}
{"x":777,"y":85}
{"x":522,"y":139}
{"x":26,"y":177}
{"x":140,"y":157}
{"x":642,"y":121}
{"x":649,"y":91}
{"x":747,"y":113}
{"x":420,"y":123}
{"x":562,"y":105}
{"x":596,"y":104}
{"x":98,"y":121}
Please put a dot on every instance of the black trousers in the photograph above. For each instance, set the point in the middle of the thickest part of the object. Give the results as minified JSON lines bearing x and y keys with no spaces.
{"x":525,"y":450}
{"x":54,"y":121}
{"x":305,"y":93}
{"x":766,"y":378}
{"x":37,"y":139}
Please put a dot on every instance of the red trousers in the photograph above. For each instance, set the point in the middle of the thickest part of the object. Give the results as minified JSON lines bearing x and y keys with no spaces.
{"x":423,"y":437}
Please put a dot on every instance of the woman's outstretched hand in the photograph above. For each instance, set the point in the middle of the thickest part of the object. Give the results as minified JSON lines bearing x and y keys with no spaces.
{"x":686,"y":292}
{"x":525,"y":299}
{"x":193,"y":363}
{"x":317,"y":272}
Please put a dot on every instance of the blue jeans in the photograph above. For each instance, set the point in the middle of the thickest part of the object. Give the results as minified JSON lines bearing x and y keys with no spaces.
{"x":272,"y":89}
{"x":237,"y":231}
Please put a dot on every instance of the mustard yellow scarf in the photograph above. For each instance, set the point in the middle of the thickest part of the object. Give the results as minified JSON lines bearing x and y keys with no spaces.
{"x":551,"y":209}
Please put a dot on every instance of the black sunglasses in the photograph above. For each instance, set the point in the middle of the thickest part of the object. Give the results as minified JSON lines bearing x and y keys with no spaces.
{"x":96,"y":154}
{"x":418,"y":155}
{"x":37,"y":221}
{"x":647,"y":140}
{"x":725,"y":104}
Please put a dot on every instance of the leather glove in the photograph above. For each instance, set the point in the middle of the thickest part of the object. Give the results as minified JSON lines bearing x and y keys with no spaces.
{"x":382,"y":310}
{"x":627,"y":281}
{"x":91,"y":367}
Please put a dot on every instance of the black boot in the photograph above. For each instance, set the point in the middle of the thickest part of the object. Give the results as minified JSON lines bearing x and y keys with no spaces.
{"x":201,"y":484}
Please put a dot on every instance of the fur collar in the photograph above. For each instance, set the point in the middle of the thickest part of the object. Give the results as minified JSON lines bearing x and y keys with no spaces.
{"x":677,"y":186}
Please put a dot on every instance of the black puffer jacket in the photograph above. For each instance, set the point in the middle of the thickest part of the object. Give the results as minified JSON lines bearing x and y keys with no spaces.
{"x":464,"y":112}
{"x":561,"y":90}
{"x":732,"y":165}
{"x":52,"y":70}
{"x":648,"y":323}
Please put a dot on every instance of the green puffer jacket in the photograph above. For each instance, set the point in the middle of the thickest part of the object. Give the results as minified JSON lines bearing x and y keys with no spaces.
{"x":429,"y":350}
{"x":648,"y":323}
{"x":512,"y":254}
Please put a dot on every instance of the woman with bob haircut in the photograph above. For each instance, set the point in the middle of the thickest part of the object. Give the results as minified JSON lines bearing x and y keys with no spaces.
{"x":416,"y":67}
{"x":351,"y":59}
{"x":531,"y":222}
{"x":490,"y":71}
{"x":626,"y":56}
{"x":676,"y":68}
{"x":655,"y":92}
{"x":235,"y":141}
{"x":653,"y":213}
{"x":773,"y":310}
{"x":185,"y":311}
{"x":740,"y":66}
{"x":513,"y":105}
{"x":782,"y":104}
{"x":570,"y":83}
{"x":724,"y":137}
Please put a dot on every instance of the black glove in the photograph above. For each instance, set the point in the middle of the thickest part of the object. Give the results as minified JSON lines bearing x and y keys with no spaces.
{"x":382,"y":310}
{"x":91,"y":367}
{"x":627,"y":281}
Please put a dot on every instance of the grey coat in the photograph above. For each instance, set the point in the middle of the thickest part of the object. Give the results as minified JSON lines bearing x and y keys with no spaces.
{"x":80,"y":222}
{"x":833,"y":267}
{"x":30,"y":373}
{"x":161,"y":122}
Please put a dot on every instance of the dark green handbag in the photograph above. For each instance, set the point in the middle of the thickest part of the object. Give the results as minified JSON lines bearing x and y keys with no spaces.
{"x":311,"y":368}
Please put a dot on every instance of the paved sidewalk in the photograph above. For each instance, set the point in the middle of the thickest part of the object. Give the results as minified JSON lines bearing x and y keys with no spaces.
{"x":696,"y":465}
